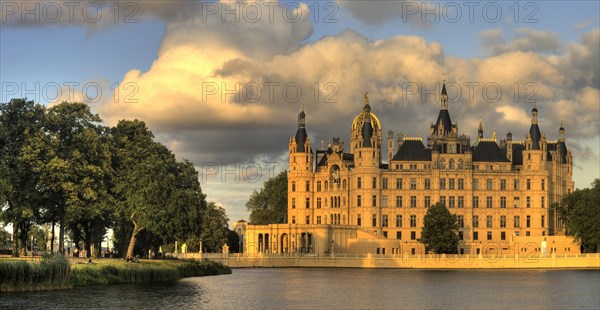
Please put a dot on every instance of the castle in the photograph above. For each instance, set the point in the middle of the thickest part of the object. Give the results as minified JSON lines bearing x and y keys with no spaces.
{"x":350,"y":201}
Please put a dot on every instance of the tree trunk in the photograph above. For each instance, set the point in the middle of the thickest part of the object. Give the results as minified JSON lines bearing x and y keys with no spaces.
{"x":15,"y":237}
{"x":61,"y":238}
{"x":136,"y":231}
{"x":52,"y":238}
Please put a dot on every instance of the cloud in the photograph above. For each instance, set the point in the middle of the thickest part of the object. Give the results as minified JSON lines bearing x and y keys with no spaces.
{"x":525,"y":39}
{"x":228,"y":93}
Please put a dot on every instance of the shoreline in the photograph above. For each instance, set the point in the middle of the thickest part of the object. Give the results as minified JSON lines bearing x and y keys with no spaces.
{"x":455,"y":262}
{"x":26,"y":275}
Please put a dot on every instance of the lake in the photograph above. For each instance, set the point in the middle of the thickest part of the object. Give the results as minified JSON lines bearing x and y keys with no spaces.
{"x":338,"y":288}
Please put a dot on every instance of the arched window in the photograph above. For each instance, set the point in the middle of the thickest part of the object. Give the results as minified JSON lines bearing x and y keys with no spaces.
{"x":442,"y":163}
{"x":344,"y":184}
{"x":460,"y":164}
{"x":451,"y":164}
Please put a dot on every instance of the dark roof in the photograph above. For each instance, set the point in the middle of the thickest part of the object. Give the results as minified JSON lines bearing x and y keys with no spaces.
{"x":367,"y":132}
{"x":563,"y":151}
{"x":444,"y":118}
{"x":488,"y":151}
{"x":413,"y":150}
{"x":517,"y":155}
{"x":536,"y":135}
{"x":300,"y":139}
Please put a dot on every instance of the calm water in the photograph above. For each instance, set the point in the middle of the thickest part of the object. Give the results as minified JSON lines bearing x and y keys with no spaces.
{"x":338,"y":289}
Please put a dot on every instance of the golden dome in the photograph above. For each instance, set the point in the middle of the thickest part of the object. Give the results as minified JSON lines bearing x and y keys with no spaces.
{"x":358,"y":121}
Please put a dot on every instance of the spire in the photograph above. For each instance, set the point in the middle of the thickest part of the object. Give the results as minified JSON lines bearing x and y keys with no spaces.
{"x":561,"y":132}
{"x":480,"y":130}
{"x":367,"y":107}
{"x":301,"y":117}
{"x":534,"y":114}
{"x":301,"y":135}
{"x":534,"y":130}
{"x":444,"y":97}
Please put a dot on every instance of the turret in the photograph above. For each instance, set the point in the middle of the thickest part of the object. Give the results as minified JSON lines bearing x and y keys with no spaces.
{"x":480,"y":130}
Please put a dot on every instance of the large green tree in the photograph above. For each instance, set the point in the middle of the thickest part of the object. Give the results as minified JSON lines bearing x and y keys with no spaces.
{"x":439,"y":234}
{"x":581,"y":213}
{"x":76,"y":169}
{"x":269,"y":205}
{"x":214,"y":228}
{"x":20,"y":195}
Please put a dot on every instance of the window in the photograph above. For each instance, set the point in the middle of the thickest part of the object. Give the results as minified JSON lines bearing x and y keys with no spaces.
{"x":461,"y":201}
{"x":442,"y":183}
{"x":543,"y":221}
{"x":427,"y":201}
{"x":385,"y":236}
{"x":475,"y":235}
{"x":374,"y":200}
{"x":384,"y":201}
{"x":384,"y":220}
{"x":528,"y":222}
{"x":358,"y":201}
{"x":307,"y":203}
{"x":502,"y":235}
{"x":384,"y":183}
{"x":399,"y":183}
{"x":516,"y":201}
{"x":413,"y":221}
{"x":489,"y":184}
{"x":293,"y":186}
{"x":461,"y":221}
{"x":503,"y":221}
{"x":451,"y":183}
{"x":308,"y":219}
{"x":475,"y":221}
{"x":318,"y":186}
{"x":293,"y":219}
{"x":318,"y":219}
{"x":527,"y":233}
{"x":325,"y":185}
{"x":398,"y":201}
{"x":358,"y":182}
{"x":427,"y":183}
{"x":308,"y":186}
{"x":451,"y":201}
{"x":503,"y":184}
{"x":528,"y":202}
{"x":475,"y":201}
{"x":413,"y":201}
{"x":488,"y":221}
{"x":374,"y":220}
{"x":488,"y":201}
{"x":398,"y":220}
{"x":503,"y":202}
{"x":319,"y":203}
{"x":293,"y":203}
{"x":443,"y":200}
{"x":374,"y":182}
{"x":517,"y":221}
{"x":399,"y":235}
{"x":528,"y":184}
{"x":413,"y":236}
{"x":543,"y":201}
{"x":413,"y":183}
{"x":489,"y":235}
{"x":461,"y":184}
{"x":476,"y":184}
{"x":358,"y":220}
{"x":461,"y":236}
{"x":543,"y":184}
{"x":516,"y":184}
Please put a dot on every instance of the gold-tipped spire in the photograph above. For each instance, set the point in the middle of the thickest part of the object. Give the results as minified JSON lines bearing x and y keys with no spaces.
{"x":366,"y":98}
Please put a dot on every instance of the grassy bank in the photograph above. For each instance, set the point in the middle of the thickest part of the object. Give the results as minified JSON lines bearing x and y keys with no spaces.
{"x":57,"y":273}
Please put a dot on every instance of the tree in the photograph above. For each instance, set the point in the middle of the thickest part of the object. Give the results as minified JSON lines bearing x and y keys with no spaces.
{"x":581,"y":212}
{"x":20,"y":196}
{"x":76,"y":169}
{"x":439,"y":230}
{"x":214,"y":228}
{"x":269,"y":206}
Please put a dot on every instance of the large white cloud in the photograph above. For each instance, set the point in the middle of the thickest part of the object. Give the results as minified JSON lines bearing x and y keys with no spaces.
{"x":181,"y":96}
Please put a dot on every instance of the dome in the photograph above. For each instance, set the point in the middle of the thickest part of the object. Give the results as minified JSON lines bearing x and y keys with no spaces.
{"x":359,"y":120}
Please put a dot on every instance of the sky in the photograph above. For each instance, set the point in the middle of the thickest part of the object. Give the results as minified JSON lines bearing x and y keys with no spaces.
{"x":221,"y":82}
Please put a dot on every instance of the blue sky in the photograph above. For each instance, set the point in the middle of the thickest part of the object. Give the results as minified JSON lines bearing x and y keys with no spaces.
{"x":169,"y":55}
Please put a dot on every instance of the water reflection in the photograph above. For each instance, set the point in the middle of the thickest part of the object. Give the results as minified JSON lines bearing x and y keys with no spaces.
{"x":338,"y":289}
